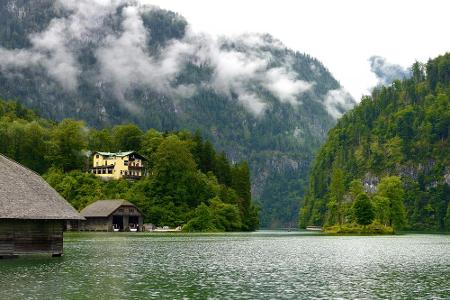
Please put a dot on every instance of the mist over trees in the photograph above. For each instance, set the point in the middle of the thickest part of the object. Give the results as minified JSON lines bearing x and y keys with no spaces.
{"x":118,"y":62}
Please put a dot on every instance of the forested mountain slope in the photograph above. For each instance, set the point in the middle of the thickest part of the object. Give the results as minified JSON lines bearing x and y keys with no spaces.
{"x":114,"y":62}
{"x":401,"y":130}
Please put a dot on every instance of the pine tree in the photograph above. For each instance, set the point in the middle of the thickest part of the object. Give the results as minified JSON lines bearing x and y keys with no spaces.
{"x":222,"y":169}
{"x":241,"y":184}
{"x":337,"y":190}
{"x":363,"y":210}
{"x":392,"y":189}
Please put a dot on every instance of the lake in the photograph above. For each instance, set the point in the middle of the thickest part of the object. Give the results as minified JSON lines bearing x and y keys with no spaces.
{"x":260,"y":265}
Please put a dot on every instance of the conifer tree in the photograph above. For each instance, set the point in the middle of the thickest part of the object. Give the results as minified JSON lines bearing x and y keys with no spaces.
{"x":391,"y":188}
{"x":363,"y":210}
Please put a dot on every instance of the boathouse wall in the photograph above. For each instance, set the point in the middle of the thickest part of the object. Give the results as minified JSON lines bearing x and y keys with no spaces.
{"x":97,"y":224}
{"x":21,"y":237}
{"x":103,"y":215}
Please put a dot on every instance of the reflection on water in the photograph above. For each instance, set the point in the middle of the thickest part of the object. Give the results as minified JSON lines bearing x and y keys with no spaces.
{"x":260,"y":265}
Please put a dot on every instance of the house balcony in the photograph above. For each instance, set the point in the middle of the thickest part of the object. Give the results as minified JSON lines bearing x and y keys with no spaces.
{"x":140,"y":167}
{"x":131,"y":177}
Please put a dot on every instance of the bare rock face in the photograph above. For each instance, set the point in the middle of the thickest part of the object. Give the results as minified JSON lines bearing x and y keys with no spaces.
{"x":447,"y":175}
{"x":410,"y":172}
{"x":370,"y":183}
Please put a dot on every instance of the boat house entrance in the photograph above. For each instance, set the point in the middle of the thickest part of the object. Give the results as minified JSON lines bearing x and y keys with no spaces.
{"x":112,"y":215}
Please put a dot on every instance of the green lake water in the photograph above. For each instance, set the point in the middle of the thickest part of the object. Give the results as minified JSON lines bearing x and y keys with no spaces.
{"x":260,"y":265}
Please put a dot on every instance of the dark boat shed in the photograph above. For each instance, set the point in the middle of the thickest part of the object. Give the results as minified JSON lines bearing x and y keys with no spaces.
{"x":107,"y":215}
{"x":32,"y":213}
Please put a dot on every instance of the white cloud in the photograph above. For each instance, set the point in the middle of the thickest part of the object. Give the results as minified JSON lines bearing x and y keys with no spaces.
{"x":53,"y":49}
{"x":252,"y":103}
{"x":349,"y":31}
{"x":284,"y":85}
{"x":241,"y":65}
{"x":337,"y":102}
{"x":123,"y":59}
{"x":48,"y":51}
{"x":387,"y":72}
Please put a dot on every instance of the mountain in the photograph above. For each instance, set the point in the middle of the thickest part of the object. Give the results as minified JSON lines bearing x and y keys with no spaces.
{"x":401,"y":130}
{"x":115,"y":62}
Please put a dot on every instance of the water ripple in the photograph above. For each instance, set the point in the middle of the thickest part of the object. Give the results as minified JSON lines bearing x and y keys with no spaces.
{"x":235,"y":266}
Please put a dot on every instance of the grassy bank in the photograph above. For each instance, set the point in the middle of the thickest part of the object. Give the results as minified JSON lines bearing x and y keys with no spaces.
{"x":358,"y":229}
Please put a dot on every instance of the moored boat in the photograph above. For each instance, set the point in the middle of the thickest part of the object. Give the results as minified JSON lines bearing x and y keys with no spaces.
{"x":314,"y":228}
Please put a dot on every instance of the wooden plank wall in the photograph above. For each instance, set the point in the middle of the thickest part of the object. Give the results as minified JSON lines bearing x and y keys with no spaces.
{"x":97,"y":224}
{"x":19,"y":237}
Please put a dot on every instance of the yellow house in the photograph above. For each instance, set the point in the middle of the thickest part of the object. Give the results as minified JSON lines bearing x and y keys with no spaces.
{"x":116,"y":165}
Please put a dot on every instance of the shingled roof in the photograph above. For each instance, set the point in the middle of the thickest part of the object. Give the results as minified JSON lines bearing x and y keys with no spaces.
{"x":25,"y":195}
{"x":104,"y":208}
{"x":120,"y":154}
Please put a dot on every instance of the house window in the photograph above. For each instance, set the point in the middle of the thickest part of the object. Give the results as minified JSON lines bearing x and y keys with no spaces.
{"x":97,"y":156}
{"x":109,"y":171}
{"x":125,"y":162}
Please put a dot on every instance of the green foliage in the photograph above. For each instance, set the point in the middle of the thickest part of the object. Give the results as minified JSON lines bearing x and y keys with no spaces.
{"x":355,"y":188}
{"x":447,"y":218}
{"x":241,"y":184}
{"x":101,"y":140}
{"x":382,"y":209}
{"x":218,"y":216}
{"x":126,"y":137}
{"x":67,"y":142}
{"x":202,"y":220}
{"x":391,"y":188}
{"x":175,"y":177}
{"x":399,"y":136}
{"x":363,"y":210}
{"x":175,"y":192}
{"x":337,"y":190}
{"x":353,"y":228}
{"x":78,"y":187}
{"x":279,"y":144}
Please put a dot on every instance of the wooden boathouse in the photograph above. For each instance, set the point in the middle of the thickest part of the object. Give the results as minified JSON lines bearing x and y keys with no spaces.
{"x":112,"y":215}
{"x":32,"y":213}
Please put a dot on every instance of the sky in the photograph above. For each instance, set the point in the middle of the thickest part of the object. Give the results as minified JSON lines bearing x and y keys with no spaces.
{"x":343,"y":35}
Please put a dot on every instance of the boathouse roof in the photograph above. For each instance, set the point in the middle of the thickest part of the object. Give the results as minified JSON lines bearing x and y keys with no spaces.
{"x":104,"y":208}
{"x":26,"y":195}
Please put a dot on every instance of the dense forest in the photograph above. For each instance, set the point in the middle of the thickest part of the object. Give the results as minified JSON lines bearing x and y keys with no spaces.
{"x":249,"y":95}
{"x":387,"y":161}
{"x":189,"y":183}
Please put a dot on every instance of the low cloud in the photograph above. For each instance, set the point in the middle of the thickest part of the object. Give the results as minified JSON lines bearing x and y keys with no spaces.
{"x":252,"y":103}
{"x":387,"y":72}
{"x":48,"y":52}
{"x":285,"y":86}
{"x":242,"y":66}
{"x":337,"y":102}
